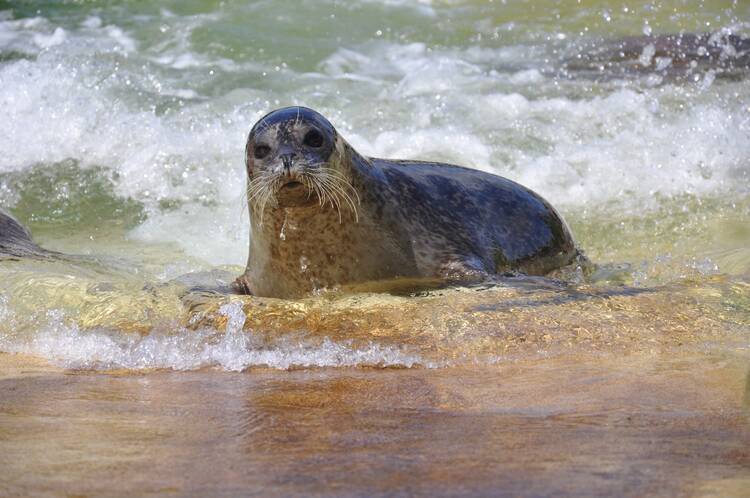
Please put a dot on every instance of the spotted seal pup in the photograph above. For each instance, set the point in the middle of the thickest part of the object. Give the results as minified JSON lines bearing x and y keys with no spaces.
{"x":324,"y":216}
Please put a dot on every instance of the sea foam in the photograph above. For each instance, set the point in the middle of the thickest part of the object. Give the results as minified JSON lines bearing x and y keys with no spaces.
{"x":168,"y":346}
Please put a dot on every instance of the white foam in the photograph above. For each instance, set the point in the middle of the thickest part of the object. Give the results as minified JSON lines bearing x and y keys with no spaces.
{"x":92,"y":22}
{"x":509,"y":106}
{"x":52,"y":111}
{"x":585,"y":150}
{"x":527,"y":77}
{"x":18,"y":35}
{"x":605,"y":147}
{"x":217,"y":236}
{"x":444,"y":143}
{"x":47,"y":41}
{"x":122,"y":39}
{"x":171,"y":347}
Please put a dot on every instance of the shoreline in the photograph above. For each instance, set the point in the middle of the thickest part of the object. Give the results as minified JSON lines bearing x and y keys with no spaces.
{"x":658,"y":424}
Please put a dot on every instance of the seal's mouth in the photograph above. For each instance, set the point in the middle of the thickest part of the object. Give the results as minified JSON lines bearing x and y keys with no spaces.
{"x":294,"y":193}
{"x":292,"y":185}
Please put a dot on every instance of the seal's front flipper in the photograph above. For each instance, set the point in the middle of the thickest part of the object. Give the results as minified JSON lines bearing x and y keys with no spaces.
{"x":241,"y":285}
{"x":463,"y":272}
{"x":201,"y":291}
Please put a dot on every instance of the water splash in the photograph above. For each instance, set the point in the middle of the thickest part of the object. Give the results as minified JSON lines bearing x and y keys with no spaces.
{"x":168,"y":346}
{"x":166,"y":117}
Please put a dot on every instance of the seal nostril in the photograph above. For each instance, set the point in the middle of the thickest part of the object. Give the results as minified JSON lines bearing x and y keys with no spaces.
{"x":286,"y":160}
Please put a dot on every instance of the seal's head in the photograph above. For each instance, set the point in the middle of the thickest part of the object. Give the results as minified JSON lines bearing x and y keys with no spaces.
{"x":292,"y":161}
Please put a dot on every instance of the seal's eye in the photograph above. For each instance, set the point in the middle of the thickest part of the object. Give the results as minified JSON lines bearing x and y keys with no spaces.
{"x":313,"y":138}
{"x":261,"y":151}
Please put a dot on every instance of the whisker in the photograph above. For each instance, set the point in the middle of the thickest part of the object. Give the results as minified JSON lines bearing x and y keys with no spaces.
{"x":334,"y":200}
{"x":340,"y":180}
{"x":339,"y":193}
{"x":331,"y":186}
{"x":260,"y":191}
{"x":336,"y":187}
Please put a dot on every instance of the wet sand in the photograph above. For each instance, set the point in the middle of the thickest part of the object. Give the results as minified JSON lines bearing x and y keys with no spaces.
{"x":633,"y":425}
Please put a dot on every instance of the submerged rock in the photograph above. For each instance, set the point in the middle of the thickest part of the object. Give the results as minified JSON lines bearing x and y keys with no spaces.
{"x":670,"y":57}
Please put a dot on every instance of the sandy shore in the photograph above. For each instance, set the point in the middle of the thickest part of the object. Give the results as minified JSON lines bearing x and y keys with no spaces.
{"x":637,"y":425}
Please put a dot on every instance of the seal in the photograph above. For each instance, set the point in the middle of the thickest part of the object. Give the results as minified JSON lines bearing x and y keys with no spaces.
{"x":325,"y":217}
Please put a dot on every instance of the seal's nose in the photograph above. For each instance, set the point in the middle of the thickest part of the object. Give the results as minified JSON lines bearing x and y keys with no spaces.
{"x":286,"y":160}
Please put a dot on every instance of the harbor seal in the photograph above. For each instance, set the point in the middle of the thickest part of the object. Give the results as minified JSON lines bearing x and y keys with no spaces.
{"x":325,"y":217}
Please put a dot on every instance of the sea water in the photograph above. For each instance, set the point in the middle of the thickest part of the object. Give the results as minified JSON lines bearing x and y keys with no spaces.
{"x":124,"y":370}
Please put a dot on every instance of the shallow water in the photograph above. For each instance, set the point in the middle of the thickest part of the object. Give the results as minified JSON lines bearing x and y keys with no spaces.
{"x":122,"y":128}
{"x":635,"y":426}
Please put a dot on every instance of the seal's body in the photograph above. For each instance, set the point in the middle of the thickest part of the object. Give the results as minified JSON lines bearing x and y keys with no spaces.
{"x":15,"y":240}
{"x":323,"y":216}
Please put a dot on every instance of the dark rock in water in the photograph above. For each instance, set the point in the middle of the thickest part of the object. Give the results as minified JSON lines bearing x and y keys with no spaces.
{"x":15,"y":240}
{"x":671,"y":57}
